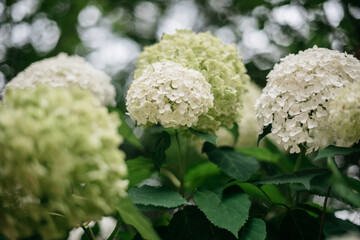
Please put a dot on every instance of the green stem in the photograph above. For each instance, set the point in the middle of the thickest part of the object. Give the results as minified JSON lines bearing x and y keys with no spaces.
{"x":338,"y":177}
{"x":265,"y":194}
{"x":334,"y":168}
{"x":284,"y":205}
{"x":298,"y":162}
{"x":171,"y":177}
{"x":88,"y":234}
{"x":116,"y":229}
{"x":91,"y":232}
{"x":181,"y":165}
{"x":323,"y":213}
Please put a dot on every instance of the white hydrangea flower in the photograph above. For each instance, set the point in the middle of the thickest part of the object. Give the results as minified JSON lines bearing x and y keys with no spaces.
{"x":296,"y":98}
{"x":344,"y":114}
{"x":169,"y":94}
{"x":67,"y":71}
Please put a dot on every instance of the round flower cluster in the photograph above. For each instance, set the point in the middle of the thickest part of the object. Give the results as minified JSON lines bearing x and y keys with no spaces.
{"x":219,"y":63}
{"x":296,"y":98}
{"x":60,"y":163}
{"x":67,"y":71}
{"x":344,"y":114}
{"x":169,"y":94}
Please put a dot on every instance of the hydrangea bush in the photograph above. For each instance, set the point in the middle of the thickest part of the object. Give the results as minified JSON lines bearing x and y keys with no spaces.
{"x":296,"y":98}
{"x":60,"y":163}
{"x":219,"y":63}
{"x":169,"y":94}
{"x":67,"y":71}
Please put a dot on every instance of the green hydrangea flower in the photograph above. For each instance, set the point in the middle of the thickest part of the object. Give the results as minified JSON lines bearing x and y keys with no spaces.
{"x":219,"y":63}
{"x":248,"y":127}
{"x":60,"y":163}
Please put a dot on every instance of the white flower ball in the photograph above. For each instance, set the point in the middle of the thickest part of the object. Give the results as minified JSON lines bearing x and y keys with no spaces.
{"x":296,"y":98}
{"x":169,"y":94}
{"x":344,"y":114}
{"x":67,"y":71}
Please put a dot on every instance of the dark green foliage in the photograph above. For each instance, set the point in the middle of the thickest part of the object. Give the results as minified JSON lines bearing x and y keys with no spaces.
{"x":158,"y":155}
{"x":232,"y":163}
{"x":131,"y":215}
{"x":266,"y":131}
{"x":225,"y":211}
{"x":191,"y":224}
{"x":255,"y":229}
{"x":299,"y":225}
{"x":156,"y":196}
{"x":139,"y":169}
{"x":331,"y":151}
{"x":207,"y":137}
{"x":303,"y":176}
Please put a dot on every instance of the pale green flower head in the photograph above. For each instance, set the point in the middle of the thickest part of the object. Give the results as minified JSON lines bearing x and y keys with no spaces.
{"x":60,"y":163}
{"x":248,"y":127}
{"x":344,"y":114}
{"x":219,"y":63}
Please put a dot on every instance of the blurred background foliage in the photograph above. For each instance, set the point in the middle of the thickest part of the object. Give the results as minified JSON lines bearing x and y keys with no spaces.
{"x":111,"y":33}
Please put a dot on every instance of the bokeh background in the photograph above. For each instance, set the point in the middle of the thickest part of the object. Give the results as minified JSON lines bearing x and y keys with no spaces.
{"x":111,"y":33}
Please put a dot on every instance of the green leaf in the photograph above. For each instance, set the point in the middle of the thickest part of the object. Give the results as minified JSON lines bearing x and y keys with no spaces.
{"x":205,"y":174}
{"x":208,"y":137}
{"x":202,"y":169}
{"x":255,"y":229}
{"x":156,"y":196}
{"x":353,"y":183}
{"x":229,"y":212}
{"x":261,"y":154}
{"x":234,"y":164}
{"x":266,"y":193}
{"x":298,"y":224}
{"x":266,"y":155}
{"x":330,"y":151}
{"x":139,"y":169}
{"x":332,"y":226}
{"x":340,"y":190}
{"x":159,"y":156}
{"x":277,"y":196}
{"x":346,"y":193}
{"x":191,"y":224}
{"x":251,"y":190}
{"x":303,"y":176}
{"x":266,"y":131}
{"x":125,"y":131}
{"x":245,"y":6}
{"x":335,"y":226}
{"x":131,"y":215}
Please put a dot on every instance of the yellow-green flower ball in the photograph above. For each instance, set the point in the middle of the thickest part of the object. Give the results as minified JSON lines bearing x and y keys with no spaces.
{"x":219,"y":63}
{"x":60,"y":163}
